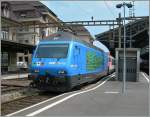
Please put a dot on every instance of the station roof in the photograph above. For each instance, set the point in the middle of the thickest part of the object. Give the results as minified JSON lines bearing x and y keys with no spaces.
{"x":136,"y":30}
{"x":7,"y":45}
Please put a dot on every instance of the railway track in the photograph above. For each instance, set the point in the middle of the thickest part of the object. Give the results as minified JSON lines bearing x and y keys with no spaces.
{"x":12,"y":89}
{"x":8,"y":89}
{"x":10,"y":85}
{"x":18,"y":104}
{"x":23,"y":82}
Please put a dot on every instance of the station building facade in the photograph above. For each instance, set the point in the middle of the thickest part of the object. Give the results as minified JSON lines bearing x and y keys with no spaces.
{"x":21,"y":31}
{"x":82,"y":33}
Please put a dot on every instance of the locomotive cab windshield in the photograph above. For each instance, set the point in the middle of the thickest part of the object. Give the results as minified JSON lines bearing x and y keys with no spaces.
{"x":52,"y":51}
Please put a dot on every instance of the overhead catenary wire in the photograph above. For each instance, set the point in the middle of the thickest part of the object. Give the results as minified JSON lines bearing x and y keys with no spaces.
{"x":105,"y":2}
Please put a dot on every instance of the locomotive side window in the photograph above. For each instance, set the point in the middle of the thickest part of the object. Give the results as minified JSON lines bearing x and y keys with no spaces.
{"x":52,"y":51}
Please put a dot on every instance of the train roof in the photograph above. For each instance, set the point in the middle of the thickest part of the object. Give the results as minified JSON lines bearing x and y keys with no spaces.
{"x":66,"y":36}
{"x":101,"y":45}
{"x":60,"y":36}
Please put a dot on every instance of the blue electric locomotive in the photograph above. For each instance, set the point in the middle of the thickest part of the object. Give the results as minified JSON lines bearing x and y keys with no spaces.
{"x":61,"y":62}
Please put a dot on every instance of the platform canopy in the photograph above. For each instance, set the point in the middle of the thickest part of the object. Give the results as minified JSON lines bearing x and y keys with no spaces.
{"x":7,"y":45}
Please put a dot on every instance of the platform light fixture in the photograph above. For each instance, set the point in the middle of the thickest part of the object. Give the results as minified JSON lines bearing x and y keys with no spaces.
{"x":129,"y":5}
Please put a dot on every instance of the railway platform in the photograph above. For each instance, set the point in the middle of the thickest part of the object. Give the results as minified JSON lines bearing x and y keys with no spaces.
{"x":14,"y":76}
{"x":15,"y":80}
{"x":104,"y":98}
{"x":14,"y":87}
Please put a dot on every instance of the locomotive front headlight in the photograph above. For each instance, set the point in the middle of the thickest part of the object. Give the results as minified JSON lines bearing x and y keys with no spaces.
{"x":36,"y":71}
{"x":33,"y":64}
{"x":38,"y":63}
{"x":42,"y":64}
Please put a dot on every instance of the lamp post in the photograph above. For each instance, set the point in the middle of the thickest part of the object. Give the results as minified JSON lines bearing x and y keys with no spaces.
{"x":129,"y":5}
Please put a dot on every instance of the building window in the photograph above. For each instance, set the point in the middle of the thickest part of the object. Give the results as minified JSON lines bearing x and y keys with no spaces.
{"x":44,"y":18}
{"x":4,"y":62}
{"x":4,"y":58}
{"x":20,"y":59}
{"x":33,"y":37}
{"x":20,"y":29}
{"x":43,"y":33}
{"x":13,"y":35}
{"x":26,"y":59}
{"x":5,"y":35}
{"x":26,"y":52}
{"x":26,"y":28}
{"x":26,"y":41}
{"x":23,"y":14}
{"x":5,"y":10}
{"x":20,"y":41}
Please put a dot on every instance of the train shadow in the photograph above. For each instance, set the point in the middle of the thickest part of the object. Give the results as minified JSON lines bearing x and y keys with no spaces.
{"x":49,"y":93}
{"x":82,"y":86}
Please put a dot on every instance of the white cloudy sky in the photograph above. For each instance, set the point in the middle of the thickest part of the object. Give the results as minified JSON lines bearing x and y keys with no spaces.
{"x":100,"y":10}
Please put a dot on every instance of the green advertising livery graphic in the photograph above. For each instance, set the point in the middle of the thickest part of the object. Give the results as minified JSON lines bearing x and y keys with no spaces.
{"x":93,"y":61}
